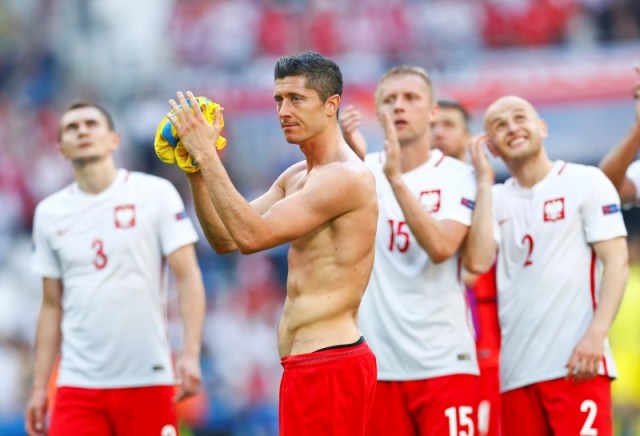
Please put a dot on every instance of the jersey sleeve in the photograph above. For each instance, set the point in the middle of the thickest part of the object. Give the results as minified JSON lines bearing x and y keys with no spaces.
{"x":44,"y":261}
{"x":633,"y":174}
{"x":601,"y":211}
{"x":175,"y":226}
{"x":458,"y":200}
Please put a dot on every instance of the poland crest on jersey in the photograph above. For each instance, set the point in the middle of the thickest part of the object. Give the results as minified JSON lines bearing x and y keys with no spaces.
{"x":125,"y":216}
{"x":430,"y":200}
{"x":554,"y":210}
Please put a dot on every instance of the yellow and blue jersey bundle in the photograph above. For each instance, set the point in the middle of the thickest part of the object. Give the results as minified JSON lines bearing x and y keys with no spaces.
{"x":168,"y":146}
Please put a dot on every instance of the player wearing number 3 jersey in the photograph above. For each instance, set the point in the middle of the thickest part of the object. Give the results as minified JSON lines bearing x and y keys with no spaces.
{"x":102,"y":245}
{"x":561,"y":273}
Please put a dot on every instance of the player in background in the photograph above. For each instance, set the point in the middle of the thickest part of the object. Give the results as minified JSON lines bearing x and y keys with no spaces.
{"x":325,"y":206}
{"x":101,"y":246}
{"x":619,"y":163}
{"x":621,"y":169}
{"x":414,"y":313}
{"x":561,"y":273}
{"x":451,"y":135}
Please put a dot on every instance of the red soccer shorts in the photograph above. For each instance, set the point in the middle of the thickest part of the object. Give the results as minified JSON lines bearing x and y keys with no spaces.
{"x":123,"y":411}
{"x":329,"y":392}
{"x":440,"y":406}
{"x":559,"y":407}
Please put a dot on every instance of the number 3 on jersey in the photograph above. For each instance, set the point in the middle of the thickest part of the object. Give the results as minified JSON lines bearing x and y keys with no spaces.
{"x":100,"y":259}
{"x":399,"y":236}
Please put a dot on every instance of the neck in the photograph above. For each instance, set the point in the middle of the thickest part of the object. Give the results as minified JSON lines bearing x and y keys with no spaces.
{"x":323,"y":148}
{"x":94,"y":175}
{"x":530,"y":171}
{"x":413,"y":155}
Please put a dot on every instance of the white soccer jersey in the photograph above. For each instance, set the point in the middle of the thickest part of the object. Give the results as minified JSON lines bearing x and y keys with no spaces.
{"x":414,"y":313}
{"x":633,"y":173}
{"x":548,"y":275}
{"x":109,"y":251}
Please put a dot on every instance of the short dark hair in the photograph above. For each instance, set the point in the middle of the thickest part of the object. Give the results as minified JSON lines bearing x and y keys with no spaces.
{"x":453,"y":104}
{"x":82,"y":104}
{"x":322,"y":74}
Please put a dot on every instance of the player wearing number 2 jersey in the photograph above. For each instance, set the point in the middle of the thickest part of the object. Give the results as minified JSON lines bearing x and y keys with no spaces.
{"x":101,"y":246}
{"x":414,"y":313}
{"x":561,"y":273}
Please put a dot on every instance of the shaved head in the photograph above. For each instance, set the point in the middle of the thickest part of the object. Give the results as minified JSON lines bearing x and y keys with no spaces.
{"x":502,"y":103}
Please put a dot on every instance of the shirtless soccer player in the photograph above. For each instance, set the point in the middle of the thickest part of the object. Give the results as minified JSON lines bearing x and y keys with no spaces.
{"x":326,"y":207}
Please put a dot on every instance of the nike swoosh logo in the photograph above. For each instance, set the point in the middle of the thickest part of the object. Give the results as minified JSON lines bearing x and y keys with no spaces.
{"x":61,"y":232}
{"x":502,"y":221}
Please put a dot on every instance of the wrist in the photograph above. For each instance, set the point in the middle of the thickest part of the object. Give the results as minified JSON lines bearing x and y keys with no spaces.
{"x":38,"y":388}
{"x":484,"y":184}
{"x":599,"y":329}
{"x":192,"y":350}
{"x":395,"y":180}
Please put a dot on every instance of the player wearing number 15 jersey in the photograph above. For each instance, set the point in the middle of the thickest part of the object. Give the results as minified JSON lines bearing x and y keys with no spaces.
{"x":561,"y":272}
{"x":101,"y":246}
{"x":414,"y":313}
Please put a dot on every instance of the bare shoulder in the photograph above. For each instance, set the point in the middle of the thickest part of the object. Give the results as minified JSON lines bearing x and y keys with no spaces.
{"x":351,"y":178}
{"x":295,"y":171}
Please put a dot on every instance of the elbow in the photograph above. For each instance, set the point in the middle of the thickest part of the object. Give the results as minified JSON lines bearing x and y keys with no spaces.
{"x":477,"y":266}
{"x":440,"y":256}
{"x":249,"y":245}
{"x":248,"y":249}
{"x":221,"y":247}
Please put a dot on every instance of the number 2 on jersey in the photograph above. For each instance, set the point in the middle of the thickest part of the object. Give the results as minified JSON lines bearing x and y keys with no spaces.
{"x":100,"y":260}
{"x":528,"y":240}
{"x":398,"y":231}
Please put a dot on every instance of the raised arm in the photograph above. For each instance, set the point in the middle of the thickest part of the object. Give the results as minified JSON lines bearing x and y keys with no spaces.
{"x":191,"y":299}
{"x":285,"y":219}
{"x":47,"y":349}
{"x":480,"y":247}
{"x":350,"y":122}
{"x":587,"y":354}
{"x":440,"y":239}
{"x":617,"y":161}
{"x":213,"y":228}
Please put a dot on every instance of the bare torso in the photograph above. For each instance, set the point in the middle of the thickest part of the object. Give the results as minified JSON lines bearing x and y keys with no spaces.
{"x":329,"y":269}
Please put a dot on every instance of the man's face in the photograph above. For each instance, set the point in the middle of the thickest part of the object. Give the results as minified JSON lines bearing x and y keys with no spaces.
{"x":85,"y":134}
{"x":449,"y":133}
{"x":515,"y":130}
{"x":407,"y":99}
{"x":301,"y":112}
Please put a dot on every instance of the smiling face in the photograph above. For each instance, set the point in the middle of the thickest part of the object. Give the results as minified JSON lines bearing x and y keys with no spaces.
{"x":407,"y":98}
{"x":515,"y":129}
{"x":303,"y":115}
{"x":85,"y":134}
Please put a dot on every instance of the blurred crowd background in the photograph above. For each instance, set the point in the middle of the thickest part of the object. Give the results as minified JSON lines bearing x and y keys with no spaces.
{"x":573,"y":58}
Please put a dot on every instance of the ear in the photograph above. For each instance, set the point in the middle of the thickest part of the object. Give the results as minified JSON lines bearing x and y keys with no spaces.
{"x":115,"y":140}
{"x":332,"y":104}
{"x":61,"y":151}
{"x":544,"y":129}
{"x":433,"y":113}
{"x":379,"y":117}
{"x":491,"y":147}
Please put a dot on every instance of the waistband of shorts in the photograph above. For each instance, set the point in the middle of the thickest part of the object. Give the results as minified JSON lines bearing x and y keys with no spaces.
{"x":324,"y":356}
